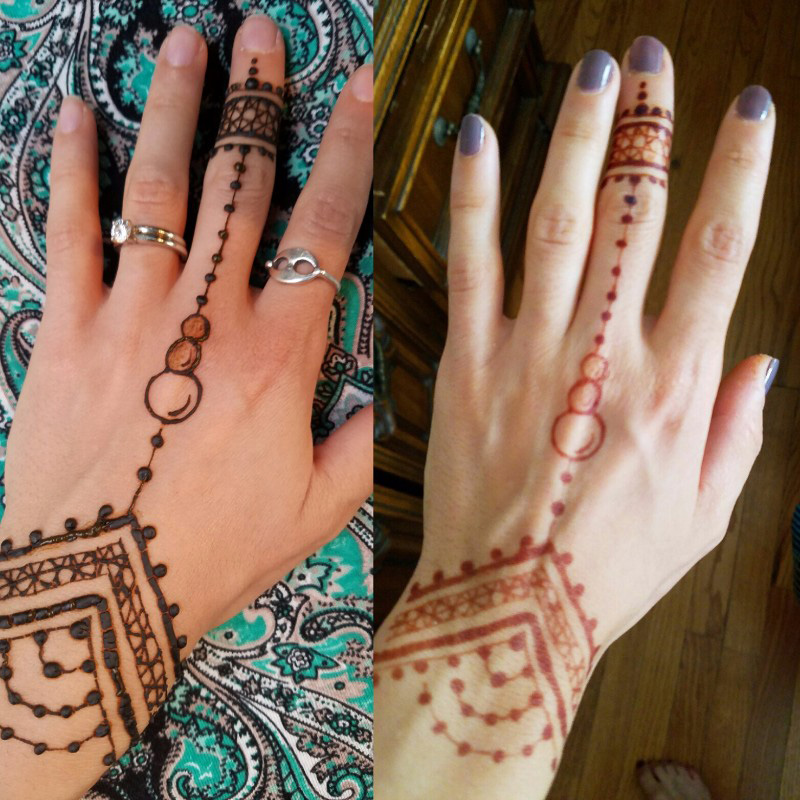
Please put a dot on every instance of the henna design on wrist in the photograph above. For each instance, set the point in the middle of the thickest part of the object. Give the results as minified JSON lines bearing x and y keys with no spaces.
{"x":110,"y":556}
{"x":515,"y":624}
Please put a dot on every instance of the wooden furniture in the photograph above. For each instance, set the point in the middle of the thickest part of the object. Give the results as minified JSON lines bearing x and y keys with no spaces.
{"x":436,"y":61}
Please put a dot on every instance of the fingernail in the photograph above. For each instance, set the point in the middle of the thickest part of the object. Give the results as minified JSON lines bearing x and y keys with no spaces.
{"x":259,"y":34}
{"x":71,"y":114}
{"x":361,"y":84}
{"x":647,"y":55}
{"x":595,"y":71}
{"x":182,"y":46}
{"x":470,"y":137}
{"x":754,"y":103}
{"x":772,"y":371}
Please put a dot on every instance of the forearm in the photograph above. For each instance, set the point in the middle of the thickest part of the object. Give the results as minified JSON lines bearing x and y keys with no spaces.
{"x":88,"y":653}
{"x":481,"y":673}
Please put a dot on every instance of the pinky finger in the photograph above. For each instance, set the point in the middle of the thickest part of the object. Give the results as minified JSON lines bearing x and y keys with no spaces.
{"x":74,"y":238}
{"x":474,"y":268}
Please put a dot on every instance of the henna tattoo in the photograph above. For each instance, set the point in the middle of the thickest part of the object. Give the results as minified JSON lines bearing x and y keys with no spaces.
{"x":251,"y":115}
{"x":641,"y":141}
{"x":114,"y":567}
{"x":535,"y":662}
{"x":515,"y":624}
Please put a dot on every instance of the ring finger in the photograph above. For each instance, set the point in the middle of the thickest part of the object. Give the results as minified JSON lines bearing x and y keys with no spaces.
{"x":326,"y":219}
{"x":156,"y":186}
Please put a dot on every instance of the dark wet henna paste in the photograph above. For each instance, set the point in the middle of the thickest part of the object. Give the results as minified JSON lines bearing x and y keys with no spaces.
{"x":250,"y":120}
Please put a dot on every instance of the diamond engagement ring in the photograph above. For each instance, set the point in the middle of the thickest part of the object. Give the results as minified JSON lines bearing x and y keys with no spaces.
{"x":284,"y":267}
{"x":123,"y":231}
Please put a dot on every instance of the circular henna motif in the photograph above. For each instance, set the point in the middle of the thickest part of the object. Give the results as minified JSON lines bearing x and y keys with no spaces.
{"x":171,"y":397}
{"x":183,"y":355}
{"x":594,"y":367}
{"x":578,"y":436}
{"x":584,"y":397}
{"x":196,"y":326}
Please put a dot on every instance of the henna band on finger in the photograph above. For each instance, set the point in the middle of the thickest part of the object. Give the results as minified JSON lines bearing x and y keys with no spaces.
{"x":641,"y":143}
{"x":251,"y":116}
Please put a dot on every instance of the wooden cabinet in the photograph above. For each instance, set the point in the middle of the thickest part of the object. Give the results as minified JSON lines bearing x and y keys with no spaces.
{"x":437,"y":60}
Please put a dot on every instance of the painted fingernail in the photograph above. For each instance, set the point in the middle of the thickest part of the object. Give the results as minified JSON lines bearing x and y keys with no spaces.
{"x":647,"y":55}
{"x":361,"y":84}
{"x":71,"y":114}
{"x":182,"y":46}
{"x":260,"y":34}
{"x":595,"y":71}
{"x":772,"y":371}
{"x":470,"y":137}
{"x":754,"y":103}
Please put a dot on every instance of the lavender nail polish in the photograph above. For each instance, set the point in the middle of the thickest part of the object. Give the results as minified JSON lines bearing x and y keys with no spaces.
{"x":754,"y":103}
{"x":772,"y":371}
{"x":470,"y":137}
{"x":595,"y":71}
{"x":646,"y":55}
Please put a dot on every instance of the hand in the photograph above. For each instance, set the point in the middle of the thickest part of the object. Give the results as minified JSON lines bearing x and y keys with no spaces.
{"x":582,"y":458}
{"x":214,"y":487}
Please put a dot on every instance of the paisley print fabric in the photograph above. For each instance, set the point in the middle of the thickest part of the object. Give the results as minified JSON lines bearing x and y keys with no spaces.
{"x":277,"y":702}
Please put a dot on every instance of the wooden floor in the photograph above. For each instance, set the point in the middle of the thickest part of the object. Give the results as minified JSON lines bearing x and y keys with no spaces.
{"x":710,"y":676}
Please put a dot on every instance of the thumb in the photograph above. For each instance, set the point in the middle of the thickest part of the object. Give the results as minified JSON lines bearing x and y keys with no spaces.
{"x":342,"y":477}
{"x":734,"y":439}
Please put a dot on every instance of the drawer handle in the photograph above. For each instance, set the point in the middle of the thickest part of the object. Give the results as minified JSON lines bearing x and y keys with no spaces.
{"x":444,"y":129}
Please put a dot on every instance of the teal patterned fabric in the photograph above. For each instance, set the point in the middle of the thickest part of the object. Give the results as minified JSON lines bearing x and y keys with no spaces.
{"x":277,"y":702}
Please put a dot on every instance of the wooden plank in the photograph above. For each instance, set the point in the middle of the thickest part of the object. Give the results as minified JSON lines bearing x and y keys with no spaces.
{"x":694,"y":693}
{"x":764,"y":523}
{"x":768,"y":729}
{"x":569,"y":28}
{"x":728,"y":719}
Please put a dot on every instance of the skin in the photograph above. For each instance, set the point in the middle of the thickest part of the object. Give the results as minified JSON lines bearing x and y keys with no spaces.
{"x":239,"y":493}
{"x":680,"y":441}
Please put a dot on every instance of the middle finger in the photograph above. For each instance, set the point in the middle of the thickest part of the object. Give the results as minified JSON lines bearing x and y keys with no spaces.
{"x":632,"y":202}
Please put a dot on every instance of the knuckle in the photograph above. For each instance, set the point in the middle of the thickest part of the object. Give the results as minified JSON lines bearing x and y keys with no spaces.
{"x":554,"y":226}
{"x":720,"y":243}
{"x":581,"y":129}
{"x":330,"y":214}
{"x":72,"y":237}
{"x":671,"y":395}
{"x":743,"y":157}
{"x":348,"y":138}
{"x":152,"y":187}
{"x":466,"y":199}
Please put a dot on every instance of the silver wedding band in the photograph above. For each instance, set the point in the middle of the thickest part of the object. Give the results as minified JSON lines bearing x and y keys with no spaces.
{"x":284,"y":268}
{"x":124,"y":231}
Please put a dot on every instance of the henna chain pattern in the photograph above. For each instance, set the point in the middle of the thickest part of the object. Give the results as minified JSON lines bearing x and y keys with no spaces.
{"x":250,"y":121}
{"x":536,"y":662}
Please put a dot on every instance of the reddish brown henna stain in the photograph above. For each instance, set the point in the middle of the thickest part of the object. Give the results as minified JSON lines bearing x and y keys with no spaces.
{"x":536,"y":663}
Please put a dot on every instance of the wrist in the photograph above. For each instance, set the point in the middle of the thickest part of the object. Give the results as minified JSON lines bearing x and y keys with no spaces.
{"x":496,"y":650}
{"x":90,"y":647}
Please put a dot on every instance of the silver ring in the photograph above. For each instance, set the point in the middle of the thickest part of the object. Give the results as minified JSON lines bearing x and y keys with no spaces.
{"x":284,"y":265}
{"x":124,"y":231}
